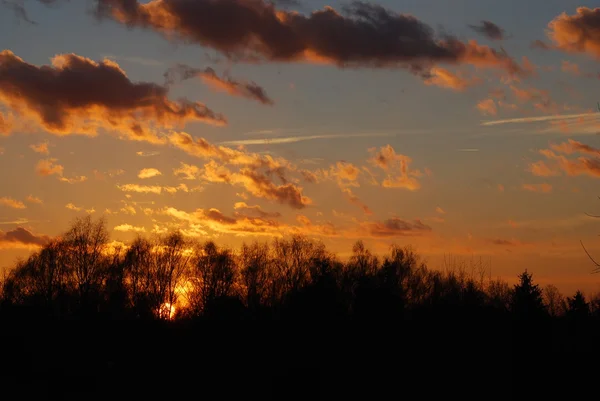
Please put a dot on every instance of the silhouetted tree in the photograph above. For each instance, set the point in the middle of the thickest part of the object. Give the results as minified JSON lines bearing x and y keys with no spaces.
{"x":85,"y":259}
{"x":255,"y":273}
{"x":554,"y":301}
{"x":527,"y":302}
{"x":578,"y":308}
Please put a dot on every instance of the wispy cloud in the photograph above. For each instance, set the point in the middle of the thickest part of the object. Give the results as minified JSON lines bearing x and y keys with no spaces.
{"x":540,"y":118}
{"x":468,"y":150}
{"x":137,"y":60}
{"x":12,"y":203}
{"x":147,"y":153}
{"x":293,"y":139}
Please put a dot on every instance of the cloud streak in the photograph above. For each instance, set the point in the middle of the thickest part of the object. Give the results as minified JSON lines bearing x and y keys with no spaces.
{"x":294,"y":139}
{"x":489,"y":30}
{"x":539,"y":118}
{"x":250,"y":90}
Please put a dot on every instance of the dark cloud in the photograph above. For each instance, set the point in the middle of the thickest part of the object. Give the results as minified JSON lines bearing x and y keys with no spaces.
{"x":78,"y":95}
{"x":249,"y":90}
{"x":20,"y":11}
{"x":489,"y":29}
{"x":362,"y":35}
{"x":538,"y":44}
{"x":396,"y":227}
{"x":21,"y":237}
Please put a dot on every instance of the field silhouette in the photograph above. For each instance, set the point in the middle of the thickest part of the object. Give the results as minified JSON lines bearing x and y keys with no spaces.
{"x":166,"y":318}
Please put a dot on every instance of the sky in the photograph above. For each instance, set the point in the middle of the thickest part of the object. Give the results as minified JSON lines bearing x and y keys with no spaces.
{"x":464,"y":128}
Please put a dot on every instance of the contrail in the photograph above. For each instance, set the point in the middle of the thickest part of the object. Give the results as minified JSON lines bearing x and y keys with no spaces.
{"x":539,"y":118}
{"x":293,"y":139}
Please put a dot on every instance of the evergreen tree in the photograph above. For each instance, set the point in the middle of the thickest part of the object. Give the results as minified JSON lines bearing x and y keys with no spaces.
{"x":527,"y":302}
{"x":579,"y":308}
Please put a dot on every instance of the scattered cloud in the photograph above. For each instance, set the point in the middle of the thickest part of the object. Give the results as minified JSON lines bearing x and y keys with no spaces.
{"x":148,"y":173}
{"x":40,"y":148}
{"x":577,"y":33}
{"x":489,"y":30}
{"x":488,"y":107}
{"x":447,"y":79}
{"x":48,"y":167}
{"x":187,"y":171}
{"x":397,"y":166}
{"x":558,"y":164}
{"x":250,"y":90}
{"x":12,"y":203}
{"x":34,"y":199}
{"x":544,"y":188}
{"x":440,"y":210}
{"x":71,"y":206}
{"x":152,"y":189}
{"x":129,"y":228}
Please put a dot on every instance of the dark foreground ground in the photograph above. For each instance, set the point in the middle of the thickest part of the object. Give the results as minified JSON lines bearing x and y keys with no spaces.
{"x":275,"y":361}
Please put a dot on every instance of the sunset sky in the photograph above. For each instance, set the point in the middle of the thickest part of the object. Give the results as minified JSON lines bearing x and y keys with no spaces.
{"x":463,"y":127}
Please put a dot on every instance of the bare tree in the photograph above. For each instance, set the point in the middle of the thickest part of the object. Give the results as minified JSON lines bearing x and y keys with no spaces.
{"x":85,"y":242}
{"x":213,"y":275}
{"x":255,"y":273}
{"x":555,"y":302}
{"x":171,"y":258}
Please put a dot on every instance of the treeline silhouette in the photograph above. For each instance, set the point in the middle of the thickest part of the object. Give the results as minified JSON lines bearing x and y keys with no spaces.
{"x":167,"y":317}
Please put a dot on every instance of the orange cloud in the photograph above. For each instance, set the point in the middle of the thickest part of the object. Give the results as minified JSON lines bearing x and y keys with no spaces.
{"x":148,"y":173}
{"x":572,"y":146}
{"x":33,"y":199}
{"x":446,"y":79}
{"x":544,"y":188}
{"x":558,"y":163}
{"x":567,"y":66}
{"x":398,"y":168}
{"x":12,"y":203}
{"x":153,"y":189}
{"x":40,"y":148}
{"x":487,"y":107}
{"x":187,"y":171}
{"x":578,"y":33}
{"x":355,"y":200}
{"x":71,"y":206}
{"x":76,"y":95}
{"x":129,"y":228}
{"x":49,"y":167}
{"x":256,"y":209}
{"x":249,"y":90}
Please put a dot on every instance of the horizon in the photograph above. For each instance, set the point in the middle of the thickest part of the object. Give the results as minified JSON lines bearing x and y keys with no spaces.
{"x":462,"y":131}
